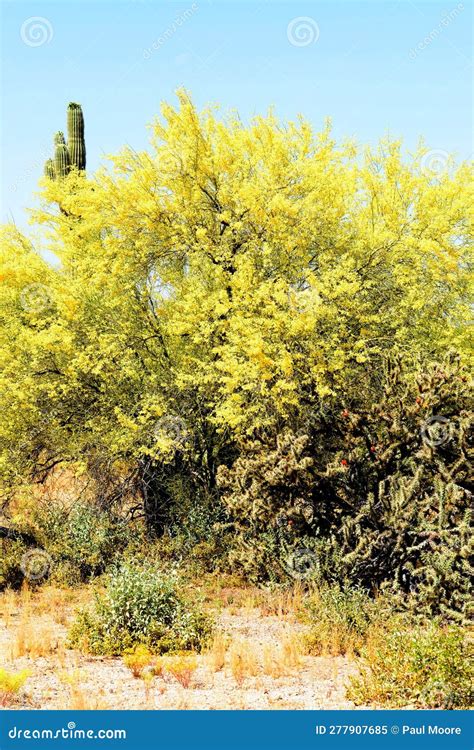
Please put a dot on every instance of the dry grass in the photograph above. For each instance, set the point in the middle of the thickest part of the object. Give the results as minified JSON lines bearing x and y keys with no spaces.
{"x":293,"y":650}
{"x":79,"y":697}
{"x":181,"y":667}
{"x":217,"y":652}
{"x":58,"y":603}
{"x":147,"y":677}
{"x":8,"y":606}
{"x":33,"y":639}
{"x":281,"y":660}
{"x":35,"y":619}
{"x":138,"y":660}
{"x":222,"y":591}
{"x":337,"y":640}
{"x":242,"y":661}
{"x":283,"y":604}
{"x":272,"y":662}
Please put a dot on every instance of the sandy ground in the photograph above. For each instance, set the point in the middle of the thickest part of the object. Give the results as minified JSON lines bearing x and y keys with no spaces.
{"x":66,"y":679}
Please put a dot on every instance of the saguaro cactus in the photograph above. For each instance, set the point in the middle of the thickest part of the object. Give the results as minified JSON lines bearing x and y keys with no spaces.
{"x":61,"y":156}
{"x":49,"y":169}
{"x":75,"y":136}
{"x":74,"y":153}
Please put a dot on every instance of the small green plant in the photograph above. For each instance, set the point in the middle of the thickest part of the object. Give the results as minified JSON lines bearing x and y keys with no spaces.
{"x":10,"y":684}
{"x":339,"y":619}
{"x":430,"y":667}
{"x":141,"y":606}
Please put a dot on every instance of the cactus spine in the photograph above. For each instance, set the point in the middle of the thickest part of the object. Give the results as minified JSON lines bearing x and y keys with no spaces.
{"x":74,"y":153}
{"x":75,"y":136}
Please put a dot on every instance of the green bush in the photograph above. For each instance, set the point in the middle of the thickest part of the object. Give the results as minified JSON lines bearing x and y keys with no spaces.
{"x":339,"y":619}
{"x":141,"y":606}
{"x":11,"y":552}
{"x":429,"y":667}
{"x":82,"y":540}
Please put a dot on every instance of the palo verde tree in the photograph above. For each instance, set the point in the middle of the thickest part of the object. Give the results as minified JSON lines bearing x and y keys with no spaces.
{"x":228,"y":284}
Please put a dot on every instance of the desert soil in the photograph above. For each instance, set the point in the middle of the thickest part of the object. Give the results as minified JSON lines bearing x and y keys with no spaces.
{"x":66,"y":679}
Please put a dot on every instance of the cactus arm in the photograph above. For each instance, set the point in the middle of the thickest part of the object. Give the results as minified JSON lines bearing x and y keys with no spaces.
{"x":61,"y":156}
{"x":49,"y":170}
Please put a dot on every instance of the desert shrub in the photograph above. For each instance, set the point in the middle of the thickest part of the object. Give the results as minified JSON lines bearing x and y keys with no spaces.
{"x":10,"y":685}
{"x":194,"y":535}
{"x":11,"y":553}
{"x":181,"y":667}
{"x":82,"y":540}
{"x":138,"y":660}
{"x":176,"y":549}
{"x":340,"y":619}
{"x":430,"y":667}
{"x":141,"y":606}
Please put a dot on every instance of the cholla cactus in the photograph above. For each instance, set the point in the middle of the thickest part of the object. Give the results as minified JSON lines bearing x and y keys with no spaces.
{"x":374,"y":491}
{"x":408,"y":526}
{"x":268,"y":492}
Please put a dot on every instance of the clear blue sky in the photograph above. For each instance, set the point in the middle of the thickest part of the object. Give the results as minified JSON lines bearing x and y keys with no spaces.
{"x":402,"y":67}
